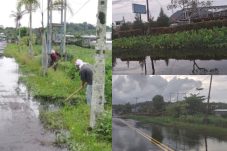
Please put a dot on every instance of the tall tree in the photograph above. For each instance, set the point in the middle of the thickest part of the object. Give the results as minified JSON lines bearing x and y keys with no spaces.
{"x":17,"y":17}
{"x":189,"y":7}
{"x":163,"y":19}
{"x":30,"y":6}
{"x":195,"y":104}
{"x":158,"y":103}
{"x":98,"y":98}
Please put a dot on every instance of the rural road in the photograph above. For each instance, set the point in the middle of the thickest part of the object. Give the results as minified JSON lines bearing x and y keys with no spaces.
{"x":20,"y":127}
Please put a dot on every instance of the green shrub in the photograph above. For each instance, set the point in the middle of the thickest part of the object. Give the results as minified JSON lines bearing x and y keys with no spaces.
{"x":104,"y":126}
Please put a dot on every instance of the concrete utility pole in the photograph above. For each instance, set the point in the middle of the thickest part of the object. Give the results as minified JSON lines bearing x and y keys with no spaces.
{"x":208,"y":101}
{"x":148,"y":13}
{"x":49,"y":26}
{"x":98,"y":86}
{"x":136,"y":104}
{"x":64,"y":34}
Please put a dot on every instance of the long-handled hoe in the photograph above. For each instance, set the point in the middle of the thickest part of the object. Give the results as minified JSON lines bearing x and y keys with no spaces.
{"x":72,"y":94}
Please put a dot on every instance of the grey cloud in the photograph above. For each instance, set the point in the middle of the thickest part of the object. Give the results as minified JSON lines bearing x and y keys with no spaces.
{"x":146,"y":87}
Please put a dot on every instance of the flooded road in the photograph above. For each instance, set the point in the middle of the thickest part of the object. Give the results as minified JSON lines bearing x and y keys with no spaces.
{"x":126,"y":139}
{"x":170,"y":62}
{"x":175,"y":138}
{"x":170,"y":67}
{"x":20,"y":127}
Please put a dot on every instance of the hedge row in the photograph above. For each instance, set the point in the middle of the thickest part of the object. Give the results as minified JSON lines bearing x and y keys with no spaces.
{"x":147,"y":30}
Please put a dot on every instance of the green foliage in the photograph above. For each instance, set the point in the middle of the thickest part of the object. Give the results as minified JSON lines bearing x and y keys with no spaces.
{"x":204,"y":38}
{"x":24,"y":41}
{"x":23,"y":31}
{"x":195,"y":104}
{"x":177,"y":109}
{"x":158,"y":103}
{"x":57,"y":85}
{"x":104,"y":126}
{"x":163,"y":19}
{"x":152,"y":28}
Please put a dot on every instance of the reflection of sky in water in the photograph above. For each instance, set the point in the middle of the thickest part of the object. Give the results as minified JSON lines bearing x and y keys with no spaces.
{"x":125,"y":139}
{"x":172,"y":67}
{"x":13,"y":95}
{"x":178,"y":139}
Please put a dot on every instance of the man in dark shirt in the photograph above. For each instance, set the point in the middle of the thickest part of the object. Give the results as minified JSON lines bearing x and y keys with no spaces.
{"x":86,"y":76}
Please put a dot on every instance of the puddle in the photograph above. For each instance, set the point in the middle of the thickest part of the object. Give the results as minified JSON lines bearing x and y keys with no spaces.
{"x":181,"y":62}
{"x":20,"y":127}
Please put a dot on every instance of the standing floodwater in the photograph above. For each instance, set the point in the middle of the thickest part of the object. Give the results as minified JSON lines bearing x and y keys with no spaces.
{"x":20,"y":127}
{"x":177,"y":139}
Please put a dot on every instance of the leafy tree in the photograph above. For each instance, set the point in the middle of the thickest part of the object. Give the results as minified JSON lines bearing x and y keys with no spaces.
{"x":158,"y":103}
{"x":30,"y":6}
{"x":17,"y":17}
{"x":195,"y":104}
{"x":177,"y":109}
{"x":127,"y":108}
{"x":193,"y":4}
{"x":163,"y":19}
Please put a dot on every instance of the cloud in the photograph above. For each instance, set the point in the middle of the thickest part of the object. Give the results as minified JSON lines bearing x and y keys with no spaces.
{"x":127,"y":88}
{"x":124,"y":8}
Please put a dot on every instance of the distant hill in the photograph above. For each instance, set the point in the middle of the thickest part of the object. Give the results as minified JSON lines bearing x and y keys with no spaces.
{"x":82,"y":29}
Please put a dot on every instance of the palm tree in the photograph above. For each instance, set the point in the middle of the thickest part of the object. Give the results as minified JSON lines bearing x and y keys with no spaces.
{"x":17,"y":17}
{"x":30,"y":6}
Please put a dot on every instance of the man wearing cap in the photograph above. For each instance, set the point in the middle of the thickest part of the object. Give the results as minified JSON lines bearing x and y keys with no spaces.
{"x":86,"y":76}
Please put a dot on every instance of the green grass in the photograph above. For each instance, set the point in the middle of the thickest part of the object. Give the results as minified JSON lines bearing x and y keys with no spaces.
{"x":56,"y":86}
{"x":195,"y":123}
{"x":195,"y":39}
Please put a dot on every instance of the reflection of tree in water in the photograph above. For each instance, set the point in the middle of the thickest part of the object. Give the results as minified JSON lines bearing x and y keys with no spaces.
{"x":143,"y":65}
{"x":114,"y":61}
{"x":183,"y":139}
{"x":167,"y":62}
{"x":156,"y":133}
{"x":128,"y":63}
{"x":152,"y":65}
{"x":198,"y":70}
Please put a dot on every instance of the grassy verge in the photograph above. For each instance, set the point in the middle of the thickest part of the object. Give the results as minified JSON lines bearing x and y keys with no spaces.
{"x":56,"y":86}
{"x":203,"y":38}
{"x":214,"y":128}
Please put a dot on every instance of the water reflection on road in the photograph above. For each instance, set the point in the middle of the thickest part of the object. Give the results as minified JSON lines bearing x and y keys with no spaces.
{"x":126,"y":139}
{"x":169,"y":66}
{"x":20,"y":127}
{"x":175,"y":138}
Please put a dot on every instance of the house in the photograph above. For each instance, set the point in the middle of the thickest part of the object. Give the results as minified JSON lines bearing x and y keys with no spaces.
{"x":220,"y":112}
{"x":90,"y":41}
{"x":2,"y":37}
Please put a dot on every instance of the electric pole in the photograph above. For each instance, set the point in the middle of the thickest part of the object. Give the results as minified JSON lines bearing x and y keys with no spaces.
{"x":208,"y":101}
{"x":136,"y":104}
{"x":98,"y":86}
{"x":148,"y":15}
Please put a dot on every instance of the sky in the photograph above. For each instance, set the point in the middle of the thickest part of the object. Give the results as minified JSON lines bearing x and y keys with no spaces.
{"x":128,"y":88}
{"x":86,"y":14}
{"x":124,"y":8}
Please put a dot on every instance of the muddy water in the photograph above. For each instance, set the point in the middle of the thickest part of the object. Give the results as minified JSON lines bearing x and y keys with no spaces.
{"x":178,"y":139}
{"x":20,"y":127}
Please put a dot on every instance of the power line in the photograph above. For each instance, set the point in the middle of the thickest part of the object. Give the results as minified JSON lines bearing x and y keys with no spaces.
{"x":80,"y":9}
